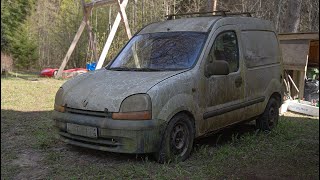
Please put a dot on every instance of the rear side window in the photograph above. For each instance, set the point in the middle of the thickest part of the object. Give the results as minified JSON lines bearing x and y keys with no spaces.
{"x":260,"y":48}
{"x":225,"y":47}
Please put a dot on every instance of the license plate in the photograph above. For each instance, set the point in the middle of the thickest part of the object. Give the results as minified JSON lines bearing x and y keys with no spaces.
{"x":81,"y":130}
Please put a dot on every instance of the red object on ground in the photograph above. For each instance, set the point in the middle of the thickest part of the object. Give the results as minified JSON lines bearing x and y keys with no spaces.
{"x":51,"y":72}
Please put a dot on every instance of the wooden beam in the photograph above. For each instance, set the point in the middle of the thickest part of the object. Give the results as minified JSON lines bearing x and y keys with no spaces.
{"x":302,"y":77}
{"x":296,"y":36}
{"x":215,"y":5}
{"x":71,"y":48}
{"x":92,"y":44}
{"x":110,"y":37}
{"x":293,"y":67}
{"x":124,"y":19}
{"x":128,"y":31}
{"x":294,"y":85}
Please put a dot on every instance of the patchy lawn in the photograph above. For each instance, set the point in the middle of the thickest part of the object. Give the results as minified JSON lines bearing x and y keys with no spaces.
{"x":29,"y":148}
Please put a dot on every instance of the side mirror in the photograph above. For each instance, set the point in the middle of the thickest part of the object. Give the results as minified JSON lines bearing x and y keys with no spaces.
{"x":219,"y":67}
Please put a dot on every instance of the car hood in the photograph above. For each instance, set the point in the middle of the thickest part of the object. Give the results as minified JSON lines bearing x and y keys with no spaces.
{"x":103,"y":88}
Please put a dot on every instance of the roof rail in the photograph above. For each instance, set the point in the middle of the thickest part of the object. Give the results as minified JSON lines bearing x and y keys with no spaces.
{"x":223,"y":13}
{"x":248,"y":14}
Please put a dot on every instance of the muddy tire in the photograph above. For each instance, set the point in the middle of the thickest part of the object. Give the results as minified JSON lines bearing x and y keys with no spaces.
{"x":269,"y":119}
{"x":177,"y":140}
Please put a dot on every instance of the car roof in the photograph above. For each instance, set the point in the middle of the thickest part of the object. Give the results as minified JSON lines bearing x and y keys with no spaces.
{"x":204,"y":24}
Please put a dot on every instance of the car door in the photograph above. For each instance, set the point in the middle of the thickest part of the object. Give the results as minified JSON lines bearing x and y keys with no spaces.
{"x":224,"y":93}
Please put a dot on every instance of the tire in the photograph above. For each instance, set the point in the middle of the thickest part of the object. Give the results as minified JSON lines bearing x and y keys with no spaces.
{"x":177,"y":140}
{"x":269,"y":119}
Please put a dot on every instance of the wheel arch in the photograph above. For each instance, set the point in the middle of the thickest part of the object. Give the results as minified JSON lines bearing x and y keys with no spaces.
{"x":189,"y":114}
{"x":277,"y":96}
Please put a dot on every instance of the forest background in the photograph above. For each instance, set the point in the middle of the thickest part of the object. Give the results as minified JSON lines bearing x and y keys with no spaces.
{"x":37,"y":33}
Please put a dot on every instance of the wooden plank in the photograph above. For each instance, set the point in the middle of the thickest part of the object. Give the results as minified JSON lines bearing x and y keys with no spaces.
{"x":294,"y":52}
{"x":294,"y":85}
{"x":297,"y":36}
{"x":124,"y":19}
{"x":293,"y":67}
{"x":314,"y":53}
{"x":110,"y":37}
{"x":302,"y":75}
{"x":71,"y":48}
{"x":128,"y":31}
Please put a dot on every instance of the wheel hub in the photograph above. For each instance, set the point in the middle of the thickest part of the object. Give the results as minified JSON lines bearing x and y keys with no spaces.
{"x":179,"y":138}
{"x":272,"y":116}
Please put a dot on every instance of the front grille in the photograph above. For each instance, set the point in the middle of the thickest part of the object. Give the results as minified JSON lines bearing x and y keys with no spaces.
{"x":105,"y":142}
{"x":88,"y":112}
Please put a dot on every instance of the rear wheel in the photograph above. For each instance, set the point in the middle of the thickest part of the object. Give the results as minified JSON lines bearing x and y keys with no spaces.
{"x":177,"y":141}
{"x":269,"y":119}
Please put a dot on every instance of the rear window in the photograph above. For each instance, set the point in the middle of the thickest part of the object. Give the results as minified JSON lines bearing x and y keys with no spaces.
{"x":260,"y":48}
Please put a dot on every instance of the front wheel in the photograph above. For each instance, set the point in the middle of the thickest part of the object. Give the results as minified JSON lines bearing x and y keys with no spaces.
{"x":269,"y":119}
{"x":177,"y":140}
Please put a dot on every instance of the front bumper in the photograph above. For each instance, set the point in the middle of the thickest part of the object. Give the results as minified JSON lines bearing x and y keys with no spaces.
{"x":121,"y":136}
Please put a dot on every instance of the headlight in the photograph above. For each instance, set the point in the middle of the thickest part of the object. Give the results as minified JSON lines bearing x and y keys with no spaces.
{"x":135,"y":107}
{"x":58,"y":102}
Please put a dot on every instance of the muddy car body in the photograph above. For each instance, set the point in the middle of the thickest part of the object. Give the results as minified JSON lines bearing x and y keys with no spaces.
{"x":217,"y":71}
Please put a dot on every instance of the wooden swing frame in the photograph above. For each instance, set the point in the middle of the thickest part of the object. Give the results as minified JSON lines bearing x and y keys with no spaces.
{"x":87,"y":9}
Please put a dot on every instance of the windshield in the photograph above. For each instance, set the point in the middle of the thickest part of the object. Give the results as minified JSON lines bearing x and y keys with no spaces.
{"x":160,"y":51}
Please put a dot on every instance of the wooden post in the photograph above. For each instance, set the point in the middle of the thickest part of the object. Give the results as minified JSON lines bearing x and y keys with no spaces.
{"x":128,"y":31}
{"x":92,"y":44}
{"x":302,"y":77}
{"x":124,"y":19}
{"x":71,"y":48}
{"x":111,"y":36}
{"x":215,"y":5}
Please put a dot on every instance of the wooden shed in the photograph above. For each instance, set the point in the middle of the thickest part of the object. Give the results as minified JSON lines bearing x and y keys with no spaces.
{"x":299,"y":51}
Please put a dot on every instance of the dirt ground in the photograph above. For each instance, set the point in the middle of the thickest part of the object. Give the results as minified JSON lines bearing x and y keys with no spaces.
{"x":31,"y":150}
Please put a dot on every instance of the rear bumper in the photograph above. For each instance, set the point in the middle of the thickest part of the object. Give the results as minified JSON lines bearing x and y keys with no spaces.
{"x":113,"y":135}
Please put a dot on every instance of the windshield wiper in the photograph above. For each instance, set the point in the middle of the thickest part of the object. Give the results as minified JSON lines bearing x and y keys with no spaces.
{"x":147,"y":69}
{"x":120,"y":69}
{"x":134,"y":69}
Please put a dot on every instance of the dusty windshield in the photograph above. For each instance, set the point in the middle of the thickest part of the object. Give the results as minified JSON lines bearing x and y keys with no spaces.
{"x":160,"y":51}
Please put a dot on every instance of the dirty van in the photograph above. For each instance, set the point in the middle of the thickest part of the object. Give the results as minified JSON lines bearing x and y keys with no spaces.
{"x":175,"y":81}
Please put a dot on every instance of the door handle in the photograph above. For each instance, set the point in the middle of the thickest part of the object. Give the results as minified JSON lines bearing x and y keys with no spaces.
{"x":238,"y":81}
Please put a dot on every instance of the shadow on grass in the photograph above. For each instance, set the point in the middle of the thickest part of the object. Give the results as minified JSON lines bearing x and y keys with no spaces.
{"x":38,"y":126}
{"x":226,"y":135}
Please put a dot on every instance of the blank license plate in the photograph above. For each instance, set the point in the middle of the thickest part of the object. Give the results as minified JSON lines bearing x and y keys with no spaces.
{"x":81,"y":130}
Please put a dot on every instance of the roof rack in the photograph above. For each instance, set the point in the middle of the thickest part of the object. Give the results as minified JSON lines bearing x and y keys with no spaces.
{"x":223,"y":13}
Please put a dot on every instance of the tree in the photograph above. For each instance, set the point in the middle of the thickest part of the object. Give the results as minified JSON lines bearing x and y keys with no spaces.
{"x":24,"y":48}
{"x":13,"y":14}
{"x":293,"y":16}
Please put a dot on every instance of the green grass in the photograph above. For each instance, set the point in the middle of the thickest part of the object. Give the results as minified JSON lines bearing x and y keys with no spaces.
{"x":29,"y":148}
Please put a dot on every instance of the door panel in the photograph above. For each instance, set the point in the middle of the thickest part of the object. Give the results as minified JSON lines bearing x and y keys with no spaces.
{"x":225,"y":93}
